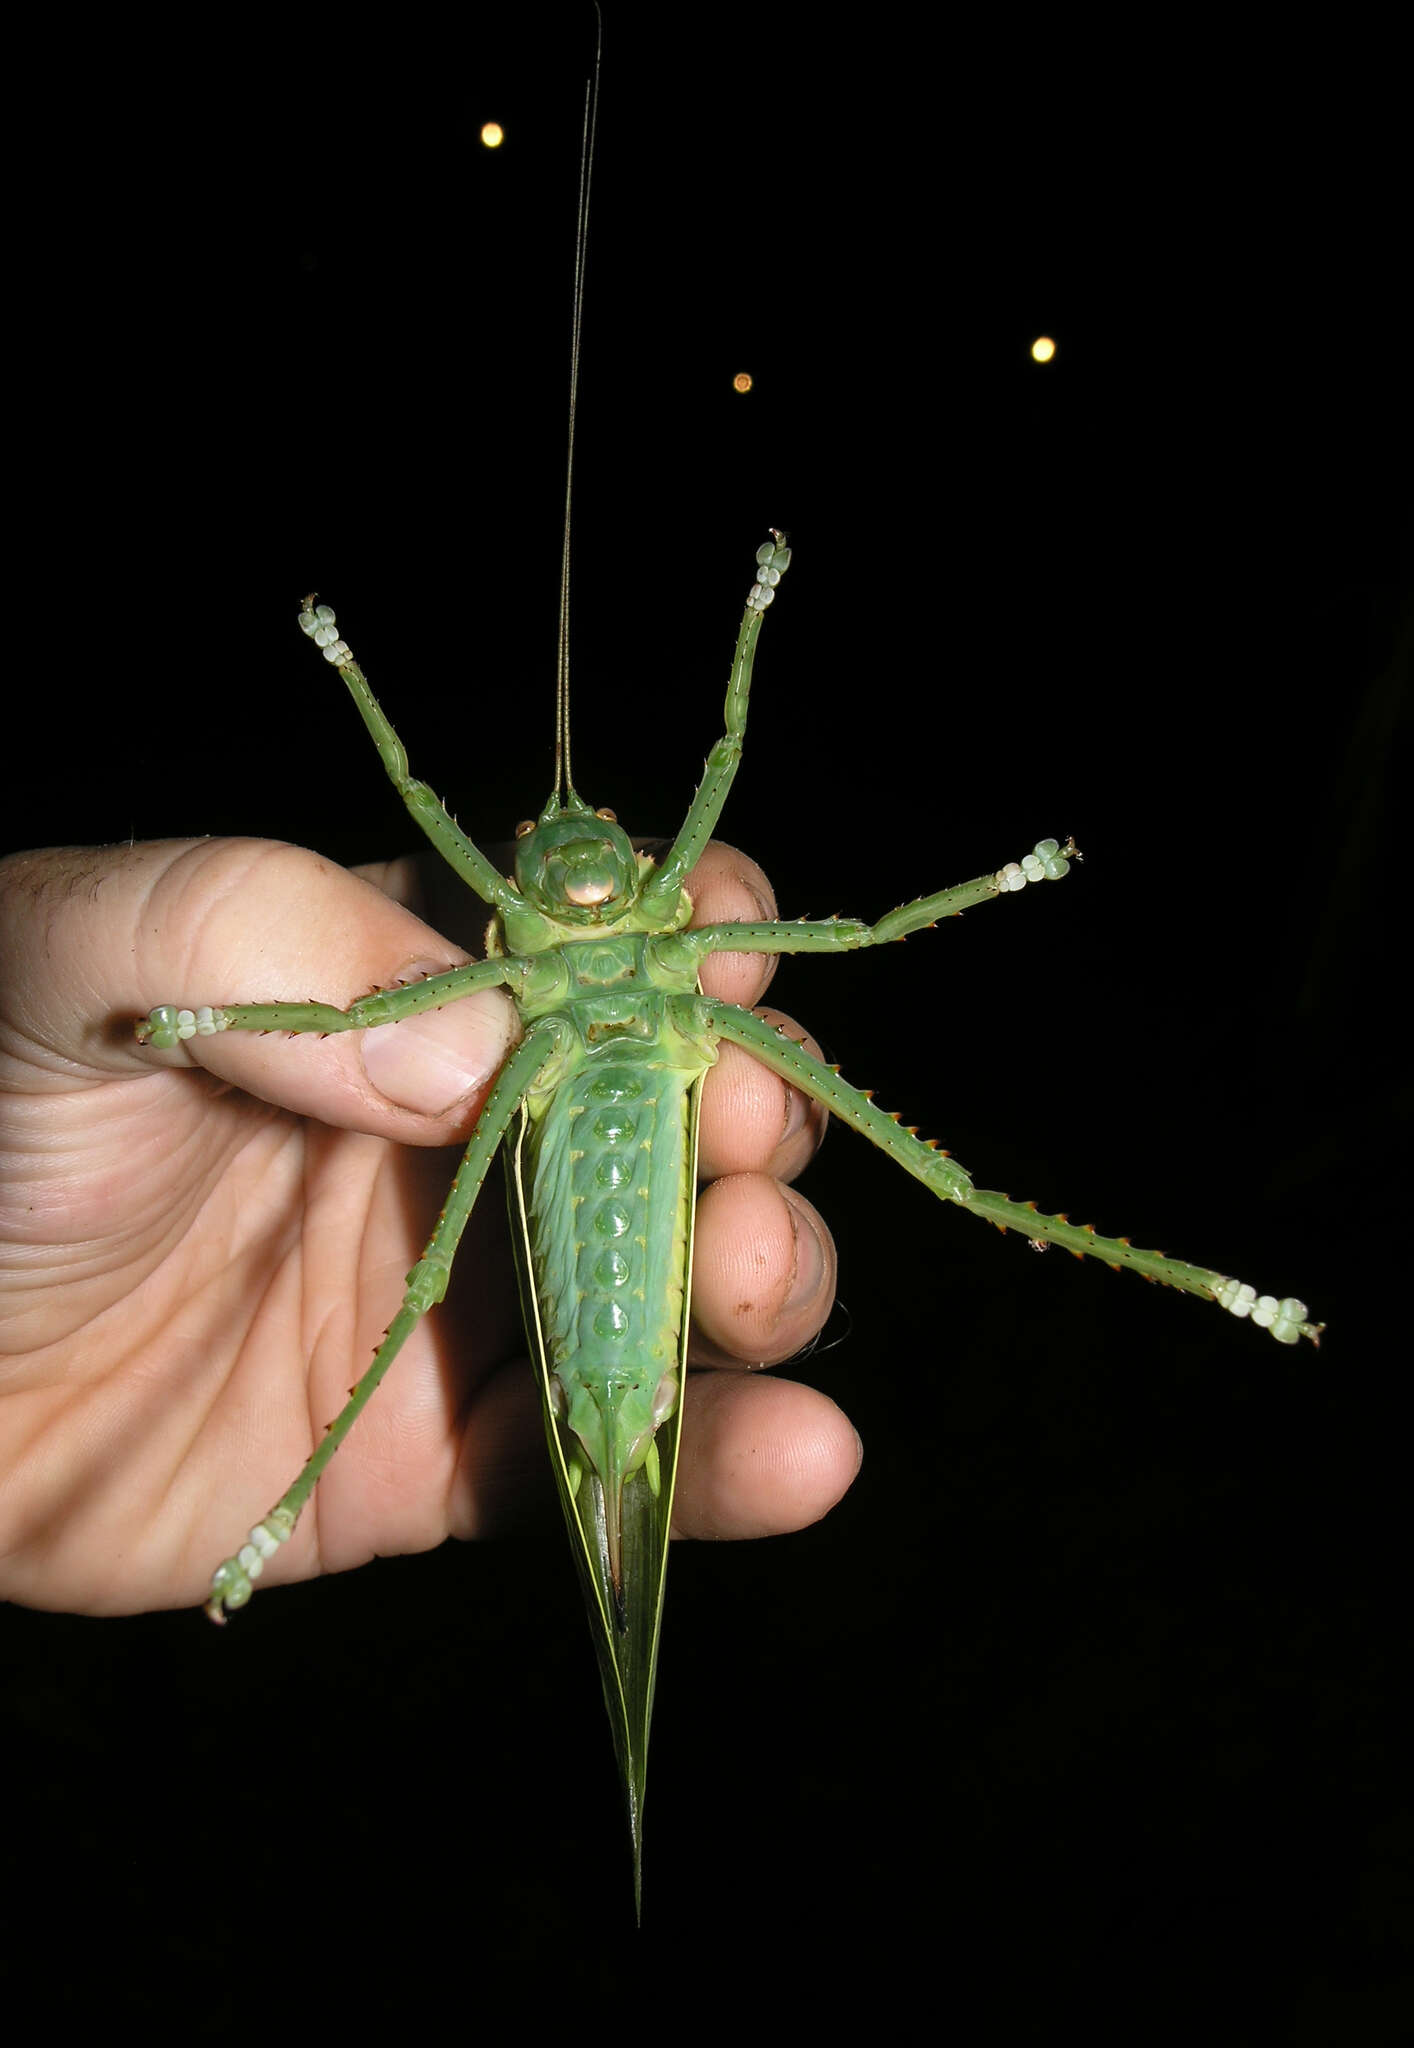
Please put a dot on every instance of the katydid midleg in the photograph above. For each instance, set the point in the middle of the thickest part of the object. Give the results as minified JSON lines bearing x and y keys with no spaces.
{"x":595,"y":1111}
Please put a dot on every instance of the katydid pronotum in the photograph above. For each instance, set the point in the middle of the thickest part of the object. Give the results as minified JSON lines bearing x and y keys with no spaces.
{"x":596,"y":1108}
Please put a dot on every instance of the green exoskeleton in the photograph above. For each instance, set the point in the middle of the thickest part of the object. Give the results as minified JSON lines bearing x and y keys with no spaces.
{"x":596,"y":1109}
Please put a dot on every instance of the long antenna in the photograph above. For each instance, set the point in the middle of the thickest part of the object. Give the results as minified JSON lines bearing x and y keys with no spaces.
{"x":564,"y":781}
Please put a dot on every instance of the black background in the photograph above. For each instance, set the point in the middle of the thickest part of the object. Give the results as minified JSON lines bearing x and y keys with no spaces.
{"x":1086,"y":1700}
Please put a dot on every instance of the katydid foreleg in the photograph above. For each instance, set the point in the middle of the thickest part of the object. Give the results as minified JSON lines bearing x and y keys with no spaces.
{"x":663,"y":889}
{"x":427,"y":811}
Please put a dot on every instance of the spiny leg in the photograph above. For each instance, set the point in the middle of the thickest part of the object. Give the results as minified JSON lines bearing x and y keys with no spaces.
{"x":168,"y":1025}
{"x":427,"y":810}
{"x":661,"y":895}
{"x":233,"y":1581}
{"x":1048,"y":862}
{"x":928,"y":1163}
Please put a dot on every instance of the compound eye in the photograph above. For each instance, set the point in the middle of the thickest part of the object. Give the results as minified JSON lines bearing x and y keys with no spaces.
{"x":609,"y":817}
{"x":525,"y":825}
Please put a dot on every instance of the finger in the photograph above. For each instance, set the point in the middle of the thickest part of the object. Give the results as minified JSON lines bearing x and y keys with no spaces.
{"x":424,"y":884}
{"x":123,"y":929}
{"x":753,"y":1121}
{"x":727,"y":887}
{"x":763,"y":1272}
{"x":759,"y":1457}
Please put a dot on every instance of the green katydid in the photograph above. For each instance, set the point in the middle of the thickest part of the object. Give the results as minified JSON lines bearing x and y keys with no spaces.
{"x":596,"y":1109}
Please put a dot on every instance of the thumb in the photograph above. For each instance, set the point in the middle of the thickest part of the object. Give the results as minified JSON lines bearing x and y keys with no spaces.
{"x":119,"y":930}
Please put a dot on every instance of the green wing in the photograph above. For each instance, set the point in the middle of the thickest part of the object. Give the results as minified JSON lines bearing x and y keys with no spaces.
{"x":626,"y":1625}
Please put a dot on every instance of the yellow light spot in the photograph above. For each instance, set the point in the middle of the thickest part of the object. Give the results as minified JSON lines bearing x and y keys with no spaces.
{"x":741,"y":381}
{"x":1042,"y":349}
{"x":493,"y":135}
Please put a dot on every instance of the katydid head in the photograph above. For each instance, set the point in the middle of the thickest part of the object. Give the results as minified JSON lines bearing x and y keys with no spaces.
{"x":576,"y":865}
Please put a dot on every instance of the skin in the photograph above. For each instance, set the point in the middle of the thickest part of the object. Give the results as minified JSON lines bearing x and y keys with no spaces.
{"x":199,"y":1249}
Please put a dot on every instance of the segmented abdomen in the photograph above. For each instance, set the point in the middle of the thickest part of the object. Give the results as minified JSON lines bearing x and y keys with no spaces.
{"x":609,"y":1212}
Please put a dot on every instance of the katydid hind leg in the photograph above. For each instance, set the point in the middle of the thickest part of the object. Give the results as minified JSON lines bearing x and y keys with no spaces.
{"x":1286,"y":1319}
{"x":233,"y":1581}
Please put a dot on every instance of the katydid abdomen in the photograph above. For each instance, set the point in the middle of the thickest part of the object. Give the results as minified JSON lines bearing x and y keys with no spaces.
{"x":608,"y":1203}
{"x":601,"y":1183}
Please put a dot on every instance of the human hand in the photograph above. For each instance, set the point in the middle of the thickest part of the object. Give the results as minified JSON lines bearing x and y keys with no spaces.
{"x":200,"y":1249}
